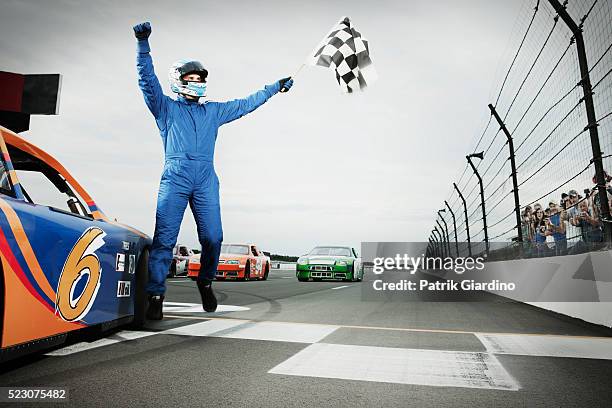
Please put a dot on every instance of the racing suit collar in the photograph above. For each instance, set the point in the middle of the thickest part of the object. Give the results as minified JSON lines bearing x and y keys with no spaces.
{"x":181,"y":98}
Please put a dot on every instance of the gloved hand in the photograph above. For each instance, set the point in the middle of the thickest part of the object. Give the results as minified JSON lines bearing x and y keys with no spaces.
{"x":142,"y":32}
{"x":285,"y":84}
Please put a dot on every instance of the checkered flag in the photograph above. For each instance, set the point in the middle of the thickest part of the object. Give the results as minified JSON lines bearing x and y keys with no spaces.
{"x":347,"y":52}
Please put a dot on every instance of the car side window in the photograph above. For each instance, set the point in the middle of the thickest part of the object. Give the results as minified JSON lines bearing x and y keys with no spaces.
{"x":42,"y":185}
{"x":39,"y":189}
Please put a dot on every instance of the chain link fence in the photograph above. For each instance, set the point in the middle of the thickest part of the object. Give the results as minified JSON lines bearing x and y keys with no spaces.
{"x":550,"y":110}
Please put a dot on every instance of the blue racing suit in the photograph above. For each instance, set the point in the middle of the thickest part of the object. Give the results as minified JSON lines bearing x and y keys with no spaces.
{"x":189,"y":131}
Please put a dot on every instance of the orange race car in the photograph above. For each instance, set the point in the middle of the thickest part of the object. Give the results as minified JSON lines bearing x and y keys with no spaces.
{"x":237,"y":261}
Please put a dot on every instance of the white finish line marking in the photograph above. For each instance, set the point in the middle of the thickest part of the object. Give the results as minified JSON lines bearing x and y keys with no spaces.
{"x":404,"y":329}
{"x":246,"y":329}
{"x":177,"y":307}
{"x":548,"y":346}
{"x":340,"y":287}
{"x":402,"y":366}
{"x":114,"y":339}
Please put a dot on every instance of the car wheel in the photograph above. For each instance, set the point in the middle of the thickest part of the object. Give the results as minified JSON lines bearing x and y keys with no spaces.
{"x":358,"y":270}
{"x":266,"y":272}
{"x":302,"y":279}
{"x":352,"y":279}
{"x":140,"y":296}
{"x":172,"y":271}
{"x":247,"y":272}
{"x":193,"y":278}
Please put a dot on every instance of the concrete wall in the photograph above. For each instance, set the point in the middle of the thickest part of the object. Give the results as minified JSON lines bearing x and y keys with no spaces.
{"x":579,"y":286}
{"x":283,"y":266}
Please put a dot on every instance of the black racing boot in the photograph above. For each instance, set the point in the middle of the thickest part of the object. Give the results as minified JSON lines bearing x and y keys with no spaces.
{"x":209,"y":301}
{"x":154,"y":311}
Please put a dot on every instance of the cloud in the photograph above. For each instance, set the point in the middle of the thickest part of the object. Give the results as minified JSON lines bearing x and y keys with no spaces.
{"x":313,"y":166}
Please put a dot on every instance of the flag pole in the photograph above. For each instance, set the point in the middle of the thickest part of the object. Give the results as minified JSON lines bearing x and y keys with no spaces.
{"x":299,"y":69}
{"x":283,"y":89}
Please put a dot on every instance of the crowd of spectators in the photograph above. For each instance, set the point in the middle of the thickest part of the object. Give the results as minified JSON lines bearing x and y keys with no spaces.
{"x":572,"y":225}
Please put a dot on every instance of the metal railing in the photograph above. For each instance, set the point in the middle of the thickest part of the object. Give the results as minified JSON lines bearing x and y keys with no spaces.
{"x":556,"y":90}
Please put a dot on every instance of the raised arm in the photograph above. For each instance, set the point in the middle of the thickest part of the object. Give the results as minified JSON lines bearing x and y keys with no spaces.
{"x":147,"y":80}
{"x":232,"y":110}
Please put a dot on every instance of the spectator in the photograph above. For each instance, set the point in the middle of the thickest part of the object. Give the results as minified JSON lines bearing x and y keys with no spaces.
{"x":607,"y":178}
{"x":556,"y":228}
{"x":564,"y":201}
{"x":572,"y":203}
{"x":595,"y":203}
{"x":527,"y":230}
{"x":573,"y":230}
{"x":527,"y":224}
{"x":539,"y":232}
{"x":590,"y":227}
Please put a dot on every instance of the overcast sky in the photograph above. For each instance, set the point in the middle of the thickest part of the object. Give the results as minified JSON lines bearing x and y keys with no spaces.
{"x":310,"y":167}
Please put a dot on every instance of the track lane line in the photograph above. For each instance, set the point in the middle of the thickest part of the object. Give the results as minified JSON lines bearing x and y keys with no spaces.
{"x":403,"y":328}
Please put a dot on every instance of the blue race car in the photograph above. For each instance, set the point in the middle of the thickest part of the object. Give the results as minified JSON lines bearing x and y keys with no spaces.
{"x":65,"y":266}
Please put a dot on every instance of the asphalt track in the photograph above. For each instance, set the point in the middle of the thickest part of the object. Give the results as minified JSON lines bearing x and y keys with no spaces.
{"x":319,"y":344}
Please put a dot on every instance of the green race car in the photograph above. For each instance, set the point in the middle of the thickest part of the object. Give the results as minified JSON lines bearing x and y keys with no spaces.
{"x":330,"y":262}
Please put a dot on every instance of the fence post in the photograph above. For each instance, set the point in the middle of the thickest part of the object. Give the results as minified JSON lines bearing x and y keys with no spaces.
{"x":442,"y":237}
{"x":445,"y":230}
{"x":482,"y":199}
{"x":467,"y":221}
{"x":435,"y":243}
{"x":585,"y":81}
{"x":454,"y":227}
{"x":517,"y":204}
{"x":440,"y":242}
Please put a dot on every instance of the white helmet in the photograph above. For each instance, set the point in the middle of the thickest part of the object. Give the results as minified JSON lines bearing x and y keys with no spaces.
{"x":183,"y":67}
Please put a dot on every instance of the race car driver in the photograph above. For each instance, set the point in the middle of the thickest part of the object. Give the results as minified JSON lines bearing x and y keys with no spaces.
{"x":189,"y":130}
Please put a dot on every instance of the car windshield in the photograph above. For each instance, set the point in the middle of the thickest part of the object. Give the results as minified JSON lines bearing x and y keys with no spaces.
{"x":235,"y":249}
{"x":333,"y":251}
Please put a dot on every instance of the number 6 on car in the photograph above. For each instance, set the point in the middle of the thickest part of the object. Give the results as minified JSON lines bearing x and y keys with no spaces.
{"x":81,"y":261}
